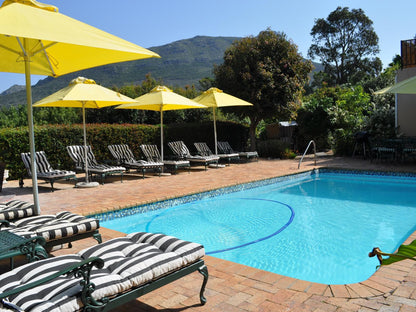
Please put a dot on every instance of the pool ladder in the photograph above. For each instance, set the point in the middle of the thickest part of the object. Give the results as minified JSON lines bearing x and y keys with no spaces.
{"x":306,"y":150}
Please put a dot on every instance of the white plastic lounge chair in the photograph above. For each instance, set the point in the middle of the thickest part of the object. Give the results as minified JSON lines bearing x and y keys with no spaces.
{"x":62,"y":228}
{"x":77,"y":154}
{"x":225,"y":147}
{"x":151,"y":152}
{"x":204,"y":150}
{"x":104,"y":276}
{"x":124,"y":157}
{"x":182,"y":152}
{"x":44,"y":169}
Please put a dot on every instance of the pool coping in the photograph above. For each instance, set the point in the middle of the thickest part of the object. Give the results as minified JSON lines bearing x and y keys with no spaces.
{"x":385,"y":280}
{"x":177,"y":200}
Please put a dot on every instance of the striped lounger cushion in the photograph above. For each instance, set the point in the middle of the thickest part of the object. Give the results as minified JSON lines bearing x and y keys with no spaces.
{"x":52,"y":227}
{"x":129,"y":262}
{"x":16,"y":209}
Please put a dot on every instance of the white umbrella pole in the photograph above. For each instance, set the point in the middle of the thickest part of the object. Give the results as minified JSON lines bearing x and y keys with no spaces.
{"x":161,"y":134}
{"x":86,"y":183}
{"x":85,"y":143}
{"x":31,"y":132}
{"x":215,"y":132}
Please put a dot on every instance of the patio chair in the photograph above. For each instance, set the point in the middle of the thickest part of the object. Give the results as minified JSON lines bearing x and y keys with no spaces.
{"x":44,"y":170}
{"x":16,"y":209}
{"x":408,"y":148}
{"x":204,"y":150}
{"x":225,"y":147}
{"x":182,"y":152}
{"x":384,"y":149}
{"x":77,"y":154}
{"x":62,"y":228}
{"x":102,"y":277}
{"x":124,"y":157}
{"x":151,"y":152}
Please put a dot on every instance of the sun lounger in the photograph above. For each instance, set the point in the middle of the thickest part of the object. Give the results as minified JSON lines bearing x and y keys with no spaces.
{"x":77,"y":154}
{"x":44,"y":169}
{"x":124,"y":156}
{"x":225,"y":148}
{"x":182,"y":152}
{"x":16,"y":209}
{"x":204,"y":150}
{"x":62,"y":228}
{"x":12,"y":245}
{"x":151,"y":152}
{"x":104,"y":276}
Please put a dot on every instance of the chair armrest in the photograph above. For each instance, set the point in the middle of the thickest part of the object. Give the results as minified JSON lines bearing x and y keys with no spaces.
{"x":4,"y":223}
{"x":31,"y":247}
{"x":80,"y":270}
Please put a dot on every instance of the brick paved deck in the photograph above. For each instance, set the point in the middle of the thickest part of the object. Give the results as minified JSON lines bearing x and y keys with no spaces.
{"x":231,"y":286}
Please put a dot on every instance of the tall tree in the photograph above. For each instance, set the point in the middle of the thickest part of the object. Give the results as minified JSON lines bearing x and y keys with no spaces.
{"x":346,"y":43}
{"x":266,"y":71}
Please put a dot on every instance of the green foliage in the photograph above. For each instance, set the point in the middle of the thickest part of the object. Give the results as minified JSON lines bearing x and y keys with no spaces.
{"x":345,"y":43}
{"x":380,"y":121}
{"x":313,"y":124}
{"x":53,"y":139}
{"x":266,"y":71}
{"x":274,"y":148}
{"x":335,"y":113}
{"x":236,"y":134}
{"x":16,"y":116}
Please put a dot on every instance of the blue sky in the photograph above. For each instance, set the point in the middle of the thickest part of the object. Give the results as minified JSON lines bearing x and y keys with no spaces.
{"x":154,"y":23}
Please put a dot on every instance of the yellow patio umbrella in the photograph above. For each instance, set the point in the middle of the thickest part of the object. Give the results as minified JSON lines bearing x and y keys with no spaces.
{"x":37,"y":39}
{"x":161,"y":99}
{"x":407,"y":86}
{"x":84,"y":93}
{"x":214,"y":98}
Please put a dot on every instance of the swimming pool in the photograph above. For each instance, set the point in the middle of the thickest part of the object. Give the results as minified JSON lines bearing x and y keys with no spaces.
{"x":317,"y":226}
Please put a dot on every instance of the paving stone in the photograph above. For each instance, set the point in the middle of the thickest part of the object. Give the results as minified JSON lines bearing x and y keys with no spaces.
{"x":231,"y":286}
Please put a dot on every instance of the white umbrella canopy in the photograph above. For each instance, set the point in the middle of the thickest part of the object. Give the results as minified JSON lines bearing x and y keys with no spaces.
{"x":84,"y":93}
{"x":161,"y":99}
{"x":37,"y":39}
{"x":214,"y":98}
{"x":407,"y":86}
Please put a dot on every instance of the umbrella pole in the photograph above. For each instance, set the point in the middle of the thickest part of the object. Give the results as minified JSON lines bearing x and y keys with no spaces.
{"x":85,"y":143}
{"x":161,"y":134}
{"x":86,"y":183}
{"x":31,"y":131}
{"x":215,"y":132}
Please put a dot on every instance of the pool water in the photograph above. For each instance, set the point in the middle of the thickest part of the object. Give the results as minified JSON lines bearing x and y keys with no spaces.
{"x":318,"y":227}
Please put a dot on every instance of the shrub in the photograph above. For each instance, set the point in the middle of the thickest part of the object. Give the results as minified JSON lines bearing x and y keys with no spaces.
{"x":53,"y":139}
{"x":272,"y":148}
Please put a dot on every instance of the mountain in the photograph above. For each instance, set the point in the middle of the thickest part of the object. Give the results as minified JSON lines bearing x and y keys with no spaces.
{"x":182,"y":62}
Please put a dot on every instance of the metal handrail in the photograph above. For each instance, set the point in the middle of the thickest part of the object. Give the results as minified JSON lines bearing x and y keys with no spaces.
{"x":306,"y":150}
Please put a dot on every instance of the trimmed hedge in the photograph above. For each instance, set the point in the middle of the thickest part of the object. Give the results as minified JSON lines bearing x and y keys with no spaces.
{"x":53,"y":139}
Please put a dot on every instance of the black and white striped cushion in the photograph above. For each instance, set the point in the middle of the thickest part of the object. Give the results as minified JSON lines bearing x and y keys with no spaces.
{"x":52,"y":227}
{"x":129,"y":261}
{"x":44,"y":169}
{"x":179,"y":148}
{"x":56,"y":295}
{"x":77,"y":153}
{"x":16,"y":209}
{"x":122,"y":153}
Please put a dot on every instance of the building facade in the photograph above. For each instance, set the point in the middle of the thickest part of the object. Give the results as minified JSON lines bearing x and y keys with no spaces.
{"x":406,"y":103}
